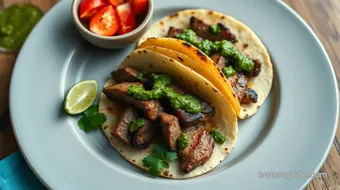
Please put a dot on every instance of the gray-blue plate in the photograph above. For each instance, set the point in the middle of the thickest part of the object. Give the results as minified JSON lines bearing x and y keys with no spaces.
{"x":292,"y":131}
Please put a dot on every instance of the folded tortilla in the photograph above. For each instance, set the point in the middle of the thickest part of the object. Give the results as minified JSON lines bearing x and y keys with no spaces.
{"x":248,"y":43}
{"x":225,"y":120}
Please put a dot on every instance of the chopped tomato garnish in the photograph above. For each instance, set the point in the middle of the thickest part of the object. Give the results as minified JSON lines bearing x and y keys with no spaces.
{"x":126,"y":18}
{"x":87,"y":8}
{"x":140,"y":6}
{"x":105,"y":22}
{"x":116,"y":2}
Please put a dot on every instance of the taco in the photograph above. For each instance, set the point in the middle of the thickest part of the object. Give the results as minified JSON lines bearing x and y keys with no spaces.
{"x":153,"y":100}
{"x":217,"y":44}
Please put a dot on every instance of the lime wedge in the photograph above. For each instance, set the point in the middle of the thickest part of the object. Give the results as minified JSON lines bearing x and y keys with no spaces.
{"x":81,"y":96}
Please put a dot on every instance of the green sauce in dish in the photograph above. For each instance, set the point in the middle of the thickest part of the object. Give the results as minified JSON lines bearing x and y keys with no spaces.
{"x":16,"y":22}
{"x":161,"y":90}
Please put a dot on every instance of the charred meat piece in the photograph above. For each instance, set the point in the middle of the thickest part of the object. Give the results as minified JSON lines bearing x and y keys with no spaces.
{"x":239,"y":84}
{"x":203,"y":31}
{"x":151,"y":108}
{"x":189,"y":119}
{"x":177,"y":89}
{"x":121,"y":131}
{"x":145,"y":134}
{"x":171,"y":129}
{"x":249,"y":96}
{"x":173,"y":32}
{"x":199,"y":150}
{"x":126,"y":74}
{"x":219,"y":60}
{"x":257,"y":69}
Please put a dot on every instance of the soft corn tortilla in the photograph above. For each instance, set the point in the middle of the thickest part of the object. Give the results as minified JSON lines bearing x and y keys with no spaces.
{"x":248,"y":43}
{"x":225,"y":119}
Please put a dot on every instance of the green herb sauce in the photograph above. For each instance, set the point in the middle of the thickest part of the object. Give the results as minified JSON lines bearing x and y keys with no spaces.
{"x":160,"y":90}
{"x":183,"y":141}
{"x":136,"y":124}
{"x":141,"y":75}
{"x":226,"y":48}
{"x":16,"y":22}
{"x":218,"y":137}
{"x":228,"y":71}
{"x":214,"y":29}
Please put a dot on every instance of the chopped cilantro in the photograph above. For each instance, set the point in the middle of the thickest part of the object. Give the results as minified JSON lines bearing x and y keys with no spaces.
{"x":91,"y":119}
{"x":158,"y":159}
{"x":154,"y":165}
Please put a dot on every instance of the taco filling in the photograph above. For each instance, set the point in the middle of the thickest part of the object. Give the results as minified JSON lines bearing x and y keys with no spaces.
{"x":157,"y":106}
{"x":217,"y":41}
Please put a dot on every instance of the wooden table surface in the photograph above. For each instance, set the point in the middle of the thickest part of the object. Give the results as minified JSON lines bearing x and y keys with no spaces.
{"x":322,"y":15}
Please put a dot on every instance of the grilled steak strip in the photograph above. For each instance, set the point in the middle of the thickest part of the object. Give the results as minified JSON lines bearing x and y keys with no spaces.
{"x":243,"y":93}
{"x":121,"y":131}
{"x":219,"y":60}
{"x":126,"y":74}
{"x":257,"y":69}
{"x":203,"y":31}
{"x":188,"y":119}
{"x":199,"y":150}
{"x":249,"y":96}
{"x":145,"y":134}
{"x":151,"y":108}
{"x":173,"y":32}
{"x":171,"y":129}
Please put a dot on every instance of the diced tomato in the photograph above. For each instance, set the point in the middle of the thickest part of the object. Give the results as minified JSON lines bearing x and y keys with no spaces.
{"x":87,"y":8}
{"x":116,"y":2}
{"x":126,"y":18}
{"x":140,"y":6}
{"x":105,"y":22}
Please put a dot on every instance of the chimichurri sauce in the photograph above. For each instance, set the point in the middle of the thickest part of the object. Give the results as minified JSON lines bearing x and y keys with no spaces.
{"x":160,"y":90}
{"x":16,"y":22}
{"x":226,"y":48}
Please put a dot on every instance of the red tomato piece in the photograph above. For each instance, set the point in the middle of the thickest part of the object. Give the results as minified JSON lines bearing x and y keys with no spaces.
{"x":105,"y":22}
{"x":126,"y":17}
{"x":140,"y":6}
{"x":116,"y":2}
{"x":87,"y":8}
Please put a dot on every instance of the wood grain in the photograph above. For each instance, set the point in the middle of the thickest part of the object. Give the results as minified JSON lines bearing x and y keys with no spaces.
{"x":322,"y":15}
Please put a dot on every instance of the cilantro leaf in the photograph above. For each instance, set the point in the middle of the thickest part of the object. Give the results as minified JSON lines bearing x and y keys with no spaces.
{"x":154,"y":165}
{"x":161,"y":152}
{"x":88,"y":123}
{"x":92,"y":110}
{"x":171,"y":155}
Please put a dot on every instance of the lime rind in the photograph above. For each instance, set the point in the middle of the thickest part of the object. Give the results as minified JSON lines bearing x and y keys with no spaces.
{"x":80,"y":97}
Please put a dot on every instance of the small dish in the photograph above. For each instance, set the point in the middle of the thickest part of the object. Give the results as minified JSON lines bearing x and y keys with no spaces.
{"x":112,"y":42}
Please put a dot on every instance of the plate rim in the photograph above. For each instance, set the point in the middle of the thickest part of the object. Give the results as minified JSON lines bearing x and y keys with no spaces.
{"x":296,"y":15}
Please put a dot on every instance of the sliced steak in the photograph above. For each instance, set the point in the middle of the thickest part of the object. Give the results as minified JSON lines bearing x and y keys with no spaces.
{"x":173,"y":32}
{"x":126,"y":74}
{"x":177,"y":88}
{"x":203,"y":31}
{"x":118,"y":92}
{"x":189,"y":119}
{"x":199,"y":149}
{"x":171,"y":129}
{"x":239,"y":84}
{"x":219,"y":60}
{"x":121,"y":131}
{"x":145,"y":135}
{"x":249,"y":96}
{"x":257,"y":69}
